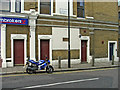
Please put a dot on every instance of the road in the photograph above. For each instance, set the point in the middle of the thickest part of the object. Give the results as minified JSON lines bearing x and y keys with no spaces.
{"x":98,"y":78}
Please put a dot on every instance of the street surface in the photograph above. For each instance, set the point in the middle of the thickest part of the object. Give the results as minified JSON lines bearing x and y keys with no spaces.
{"x":98,"y":78}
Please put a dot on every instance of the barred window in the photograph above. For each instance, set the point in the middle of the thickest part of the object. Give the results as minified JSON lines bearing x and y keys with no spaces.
{"x":18,"y":6}
{"x":45,"y":6}
{"x":119,"y":30}
{"x":0,"y":42}
{"x":80,"y":8}
{"x":119,"y":15}
{"x":5,"y":5}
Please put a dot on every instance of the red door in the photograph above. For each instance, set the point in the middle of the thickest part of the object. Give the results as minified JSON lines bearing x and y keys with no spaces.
{"x":83,"y":51}
{"x":18,"y":52}
{"x":44,"y":49}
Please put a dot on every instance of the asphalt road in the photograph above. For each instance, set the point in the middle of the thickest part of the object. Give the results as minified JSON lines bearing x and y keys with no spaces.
{"x":102,"y":78}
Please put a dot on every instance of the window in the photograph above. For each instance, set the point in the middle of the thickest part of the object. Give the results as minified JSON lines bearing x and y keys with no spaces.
{"x":119,"y":30}
{"x":80,"y":8}
{"x":119,"y":15}
{"x":18,"y":6}
{"x":0,"y":34}
{"x":5,"y":5}
{"x":0,"y":42}
{"x":45,"y":6}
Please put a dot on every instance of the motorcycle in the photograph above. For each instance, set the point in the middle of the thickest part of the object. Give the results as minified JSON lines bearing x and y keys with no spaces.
{"x":33,"y":66}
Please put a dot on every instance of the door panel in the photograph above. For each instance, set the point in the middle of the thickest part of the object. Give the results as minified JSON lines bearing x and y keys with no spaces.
{"x":18,"y":52}
{"x":44,"y":49}
{"x":83,"y":51}
{"x":111,"y":50}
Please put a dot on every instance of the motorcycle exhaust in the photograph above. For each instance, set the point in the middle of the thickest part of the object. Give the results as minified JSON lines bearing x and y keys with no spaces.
{"x":32,"y":68}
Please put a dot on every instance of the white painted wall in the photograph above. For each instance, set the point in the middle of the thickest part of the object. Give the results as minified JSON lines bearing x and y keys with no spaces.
{"x":74,"y":37}
{"x":60,"y":33}
{"x":62,"y":7}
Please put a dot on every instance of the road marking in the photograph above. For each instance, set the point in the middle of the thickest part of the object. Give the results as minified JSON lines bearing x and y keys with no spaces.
{"x":21,"y":75}
{"x":84,"y":70}
{"x":53,"y":84}
{"x":57,"y":72}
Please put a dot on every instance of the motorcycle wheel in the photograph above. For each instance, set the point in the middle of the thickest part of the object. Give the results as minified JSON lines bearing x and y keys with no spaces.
{"x":29,"y":71}
{"x":49,"y":69}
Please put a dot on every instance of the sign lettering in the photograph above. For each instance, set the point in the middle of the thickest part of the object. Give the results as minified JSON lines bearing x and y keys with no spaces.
{"x":13,"y":21}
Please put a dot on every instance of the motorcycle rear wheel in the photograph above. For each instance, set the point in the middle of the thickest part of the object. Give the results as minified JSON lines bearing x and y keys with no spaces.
{"x":29,"y":71}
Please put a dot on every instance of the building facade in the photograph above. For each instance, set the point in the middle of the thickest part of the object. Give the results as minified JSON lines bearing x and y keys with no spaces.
{"x":119,"y":31}
{"x":39,"y":29}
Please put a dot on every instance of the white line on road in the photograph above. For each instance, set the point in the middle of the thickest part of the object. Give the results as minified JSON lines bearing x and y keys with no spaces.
{"x":38,"y":86}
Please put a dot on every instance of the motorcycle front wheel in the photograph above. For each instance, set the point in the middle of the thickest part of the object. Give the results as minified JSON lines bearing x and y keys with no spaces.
{"x":49,"y":69}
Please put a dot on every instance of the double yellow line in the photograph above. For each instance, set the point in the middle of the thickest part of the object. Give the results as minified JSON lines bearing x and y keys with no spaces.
{"x":3,"y":76}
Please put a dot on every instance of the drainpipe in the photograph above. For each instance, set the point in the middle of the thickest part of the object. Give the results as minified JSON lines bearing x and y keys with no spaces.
{"x":92,"y":39}
{"x":69,"y":34}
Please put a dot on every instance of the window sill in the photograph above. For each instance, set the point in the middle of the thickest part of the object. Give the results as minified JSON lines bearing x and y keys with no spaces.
{"x":4,"y":11}
{"x":44,"y":15}
{"x":81,"y":18}
{"x":63,"y":14}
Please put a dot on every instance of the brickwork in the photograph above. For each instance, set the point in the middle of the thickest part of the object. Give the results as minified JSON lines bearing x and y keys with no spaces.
{"x":41,"y":31}
{"x":98,"y":10}
{"x":75,"y":7}
{"x":16,"y":30}
{"x":64,"y":54}
{"x":54,"y":6}
{"x":101,"y":49}
{"x":119,"y":32}
{"x":30,"y":5}
{"x":105,"y":11}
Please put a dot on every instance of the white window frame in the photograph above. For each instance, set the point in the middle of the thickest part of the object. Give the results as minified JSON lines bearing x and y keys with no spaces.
{"x":19,"y":7}
{"x":13,"y":6}
{"x":10,"y":7}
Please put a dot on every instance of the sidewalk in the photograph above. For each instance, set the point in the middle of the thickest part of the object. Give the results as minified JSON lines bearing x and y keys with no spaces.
{"x":64,"y":67}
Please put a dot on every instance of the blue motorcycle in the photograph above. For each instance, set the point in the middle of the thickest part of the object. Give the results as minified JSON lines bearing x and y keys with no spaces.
{"x":33,"y":66}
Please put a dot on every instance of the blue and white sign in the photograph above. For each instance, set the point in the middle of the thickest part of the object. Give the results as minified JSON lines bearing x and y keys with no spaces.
{"x":13,"y":21}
